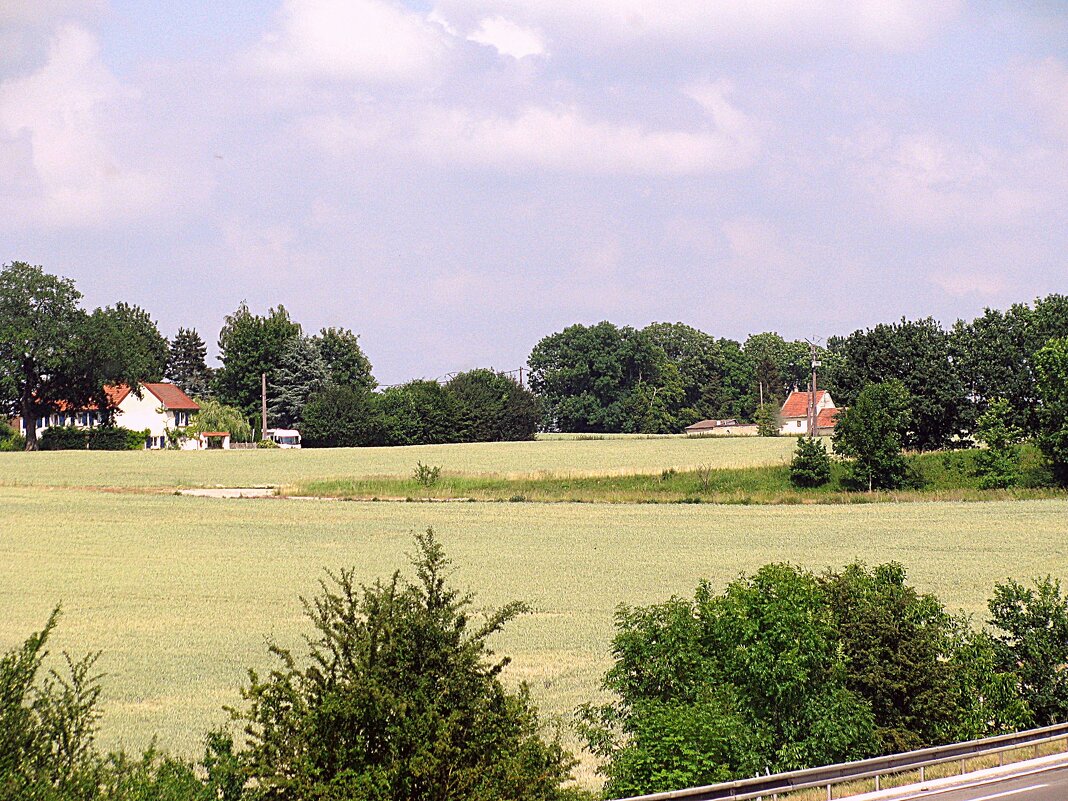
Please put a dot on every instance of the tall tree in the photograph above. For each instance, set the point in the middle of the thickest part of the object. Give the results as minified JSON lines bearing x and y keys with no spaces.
{"x":699,"y":360}
{"x":1051,"y":366}
{"x":249,"y":346}
{"x":915,"y":353}
{"x":343,"y":417}
{"x":586,"y":375}
{"x":186,"y":365}
{"x":778,"y":366}
{"x":422,"y":412}
{"x":871,"y":432}
{"x":38,"y":313}
{"x":301,"y":373}
{"x":345,"y":359}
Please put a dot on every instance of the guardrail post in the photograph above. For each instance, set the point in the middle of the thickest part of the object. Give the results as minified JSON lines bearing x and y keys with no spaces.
{"x":923,"y":776}
{"x":877,"y":787}
{"x":829,"y":791}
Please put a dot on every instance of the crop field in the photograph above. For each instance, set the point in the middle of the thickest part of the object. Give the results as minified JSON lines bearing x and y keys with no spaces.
{"x":556,"y":456}
{"x":182,"y":594}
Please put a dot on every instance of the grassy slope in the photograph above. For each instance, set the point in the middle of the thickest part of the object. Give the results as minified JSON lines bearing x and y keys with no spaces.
{"x":181,"y":593}
{"x":169,"y":469}
{"x":947,"y":476}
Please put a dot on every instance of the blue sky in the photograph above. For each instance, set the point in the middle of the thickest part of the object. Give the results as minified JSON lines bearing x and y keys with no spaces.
{"x":454,"y":179}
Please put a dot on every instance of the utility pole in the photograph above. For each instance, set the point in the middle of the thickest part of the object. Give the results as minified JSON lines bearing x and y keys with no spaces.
{"x":263,"y":405}
{"x":813,"y":414}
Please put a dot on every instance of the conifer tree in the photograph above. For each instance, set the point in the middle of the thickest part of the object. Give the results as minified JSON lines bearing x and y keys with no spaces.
{"x":186,"y":366}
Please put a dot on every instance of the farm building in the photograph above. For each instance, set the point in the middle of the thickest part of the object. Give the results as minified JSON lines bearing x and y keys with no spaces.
{"x":793,"y":417}
{"x":721,"y":428}
{"x":160,"y":408}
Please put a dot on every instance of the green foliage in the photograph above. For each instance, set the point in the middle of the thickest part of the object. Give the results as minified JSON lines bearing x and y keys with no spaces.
{"x":266,"y":444}
{"x":1031,"y":640}
{"x":216,"y":416}
{"x":343,"y":417}
{"x":778,"y":366}
{"x":251,"y":345}
{"x":915,"y":353}
{"x":787,"y":669}
{"x":426,"y":475}
{"x":496,"y":407}
{"x":46,"y":726}
{"x":1051,"y":367}
{"x":345,"y":360}
{"x":399,"y":698}
{"x":603,"y":378}
{"x":811,"y":465}
{"x":998,"y":465}
{"x":104,"y":438}
{"x":700,"y":363}
{"x":10,"y":439}
{"x":422,"y":413}
{"x":301,"y":373}
{"x":767,"y":420}
{"x":186,"y":365}
{"x":871,"y":431}
{"x":758,"y":671}
{"x":38,"y":313}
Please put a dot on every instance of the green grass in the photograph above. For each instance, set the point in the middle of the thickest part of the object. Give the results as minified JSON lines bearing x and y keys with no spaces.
{"x":577,"y":457}
{"x":181,"y":594}
{"x":946,"y":476}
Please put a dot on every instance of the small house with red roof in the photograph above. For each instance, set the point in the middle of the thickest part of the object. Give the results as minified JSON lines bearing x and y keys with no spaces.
{"x":160,"y":408}
{"x":793,"y":417}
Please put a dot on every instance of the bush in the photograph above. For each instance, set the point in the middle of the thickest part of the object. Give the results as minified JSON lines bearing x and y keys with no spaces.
{"x":64,"y":438}
{"x":998,"y":465}
{"x":811,"y":466}
{"x":399,"y":698}
{"x":426,"y":475}
{"x":871,"y":431}
{"x":266,"y":444}
{"x":343,"y":417}
{"x":10,"y":439}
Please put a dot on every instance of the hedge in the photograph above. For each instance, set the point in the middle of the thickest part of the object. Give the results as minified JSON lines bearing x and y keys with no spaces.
{"x":108,"y":438}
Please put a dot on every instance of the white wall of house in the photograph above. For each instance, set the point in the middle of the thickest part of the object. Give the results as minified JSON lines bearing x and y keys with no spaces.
{"x":799,"y":425}
{"x":138,"y":414}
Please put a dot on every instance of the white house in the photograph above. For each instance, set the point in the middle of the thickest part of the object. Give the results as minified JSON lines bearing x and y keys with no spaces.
{"x":721,"y":428}
{"x":160,"y":408}
{"x":793,"y":417}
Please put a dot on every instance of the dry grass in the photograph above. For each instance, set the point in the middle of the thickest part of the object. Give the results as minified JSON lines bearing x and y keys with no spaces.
{"x":181,"y":593}
{"x":249,"y":468}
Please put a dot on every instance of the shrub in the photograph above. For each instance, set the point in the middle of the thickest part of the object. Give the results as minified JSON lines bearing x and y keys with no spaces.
{"x":266,"y":444}
{"x":811,"y":466}
{"x":426,"y":475}
{"x":64,"y":438}
{"x":998,"y":465}
{"x":871,"y":432}
{"x":10,"y":439}
{"x":399,"y":698}
{"x":343,"y":417}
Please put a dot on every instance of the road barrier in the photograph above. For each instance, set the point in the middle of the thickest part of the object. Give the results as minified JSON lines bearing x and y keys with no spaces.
{"x":770,"y":786}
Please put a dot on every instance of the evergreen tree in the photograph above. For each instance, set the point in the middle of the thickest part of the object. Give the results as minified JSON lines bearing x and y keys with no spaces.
{"x":811,"y":466}
{"x":186,"y":365}
{"x":767,"y":420}
{"x":301,"y":373}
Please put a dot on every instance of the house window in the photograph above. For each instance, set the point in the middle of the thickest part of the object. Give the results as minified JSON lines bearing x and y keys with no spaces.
{"x":799,"y":424}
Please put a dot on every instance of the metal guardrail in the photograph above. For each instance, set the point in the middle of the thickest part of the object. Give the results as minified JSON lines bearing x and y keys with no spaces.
{"x":876,"y":767}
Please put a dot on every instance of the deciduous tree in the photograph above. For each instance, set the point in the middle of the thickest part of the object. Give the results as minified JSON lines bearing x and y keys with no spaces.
{"x":871,"y":431}
{"x":249,"y":346}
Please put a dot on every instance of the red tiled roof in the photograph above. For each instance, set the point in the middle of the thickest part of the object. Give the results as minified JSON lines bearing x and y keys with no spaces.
{"x":797,"y":404}
{"x":172,"y":397}
{"x":115,"y":394}
{"x":827,"y":418}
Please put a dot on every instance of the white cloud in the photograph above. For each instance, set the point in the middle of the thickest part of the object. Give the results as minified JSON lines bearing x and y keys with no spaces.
{"x":45,"y":12}
{"x":350,"y":39}
{"x":1046,"y":85}
{"x":558,"y":138}
{"x":508,"y":38}
{"x":881,"y":24}
{"x":932,"y":182}
{"x":56,"y":161}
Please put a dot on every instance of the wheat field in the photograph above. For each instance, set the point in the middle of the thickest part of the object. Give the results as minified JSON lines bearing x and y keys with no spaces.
{"x":182,"y":594}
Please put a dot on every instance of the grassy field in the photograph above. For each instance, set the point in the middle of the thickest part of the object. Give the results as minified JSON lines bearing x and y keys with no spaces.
{"x":578,"y":457}
{"x":945,"y":476}
{"x":181,"y":594}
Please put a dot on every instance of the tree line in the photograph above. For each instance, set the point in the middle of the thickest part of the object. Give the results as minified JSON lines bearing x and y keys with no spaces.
{"x":600,"y":378}
{"x":398,"y":694}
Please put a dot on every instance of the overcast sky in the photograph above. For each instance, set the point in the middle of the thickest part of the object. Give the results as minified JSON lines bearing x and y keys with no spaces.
{"x":454,"y":179}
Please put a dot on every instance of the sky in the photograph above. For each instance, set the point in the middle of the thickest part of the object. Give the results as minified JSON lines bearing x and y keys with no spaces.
{"x":455,"y":179}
